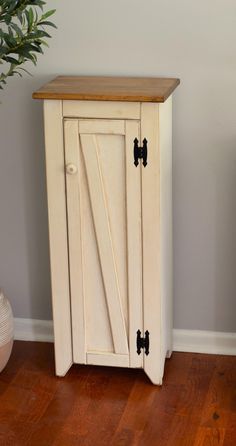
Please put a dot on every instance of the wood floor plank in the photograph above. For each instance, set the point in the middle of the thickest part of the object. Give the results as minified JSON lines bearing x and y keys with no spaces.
{"x":207,"y":436}
{"x":105,"y":397}
{"x":59,"y":410}
{"x":136,"y":414}
{"x":103,"y":406}
{"x":177,"y":416}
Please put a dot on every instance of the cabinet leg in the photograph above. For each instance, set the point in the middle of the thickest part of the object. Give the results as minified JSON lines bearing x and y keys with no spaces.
{"x":154,"y":369}
{"x":156,"y":380}
{"x":63,"y":362}
{"x":62,"y":371}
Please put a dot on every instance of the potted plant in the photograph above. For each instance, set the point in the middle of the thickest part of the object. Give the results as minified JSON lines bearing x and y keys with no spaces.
{"x":23,"y":35}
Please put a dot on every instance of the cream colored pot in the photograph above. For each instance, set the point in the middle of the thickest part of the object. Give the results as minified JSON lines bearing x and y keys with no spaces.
{"x":6,"y":330}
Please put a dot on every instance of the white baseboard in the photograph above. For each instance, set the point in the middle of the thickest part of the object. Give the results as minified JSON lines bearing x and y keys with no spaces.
{"x":198,"y":341}
{"x":33,"y":330}
{"x":194,"y":341}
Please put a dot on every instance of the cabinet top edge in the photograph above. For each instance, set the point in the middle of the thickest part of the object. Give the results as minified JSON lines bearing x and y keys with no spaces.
{"x":104,"y":88}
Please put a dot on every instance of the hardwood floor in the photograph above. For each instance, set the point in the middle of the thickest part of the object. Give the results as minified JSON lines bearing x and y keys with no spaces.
{"x":98,"y":406}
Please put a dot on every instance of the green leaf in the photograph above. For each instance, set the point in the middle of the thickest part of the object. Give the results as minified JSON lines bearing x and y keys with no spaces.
{"x":47,"y":14}
{"x":20,"y":17}
{"x":7,"y":19}
{"x":10,"y":59}
{"x":46,"y":22}
{"x":12,"y":6}
{"x":17,"y":29}
{"x":31,"y":18}
{"x":10,"y":41}
{"x":43,"y":42}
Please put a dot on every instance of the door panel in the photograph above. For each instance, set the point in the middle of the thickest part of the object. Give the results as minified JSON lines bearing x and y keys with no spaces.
{"x":98,"y":330}
{"x":115,"y":191}
{"x":91,"y":148}
{"x":104,"y":222}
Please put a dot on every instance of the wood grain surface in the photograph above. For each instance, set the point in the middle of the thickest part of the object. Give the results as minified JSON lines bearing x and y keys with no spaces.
{"x":93,"y":88}
{"x":100,"y":406}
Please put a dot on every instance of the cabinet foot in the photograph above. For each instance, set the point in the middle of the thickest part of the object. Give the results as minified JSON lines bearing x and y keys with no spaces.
{"x":62,"y":371}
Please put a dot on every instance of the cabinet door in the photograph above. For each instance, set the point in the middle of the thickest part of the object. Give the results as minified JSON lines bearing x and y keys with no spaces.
{"x":104,"y":236}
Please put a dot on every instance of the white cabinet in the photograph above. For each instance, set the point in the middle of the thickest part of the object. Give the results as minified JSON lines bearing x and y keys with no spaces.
{"x":108,"y":160}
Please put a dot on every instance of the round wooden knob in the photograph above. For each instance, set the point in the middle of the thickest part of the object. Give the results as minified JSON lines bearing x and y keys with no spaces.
{"x":71,"y":169}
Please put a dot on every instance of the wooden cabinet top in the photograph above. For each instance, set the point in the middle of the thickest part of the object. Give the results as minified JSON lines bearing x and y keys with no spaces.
{"x":134,"y":89}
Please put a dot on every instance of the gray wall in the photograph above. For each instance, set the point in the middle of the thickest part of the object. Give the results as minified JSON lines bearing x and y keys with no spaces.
{"x":194,"y":40}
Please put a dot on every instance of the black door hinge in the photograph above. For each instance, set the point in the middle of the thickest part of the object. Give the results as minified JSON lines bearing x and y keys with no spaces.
{"x":140,"y":152}
{"x":143,"y":342}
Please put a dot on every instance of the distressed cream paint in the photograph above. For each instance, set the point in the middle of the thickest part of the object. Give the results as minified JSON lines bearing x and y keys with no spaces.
{"x":191,"y":40}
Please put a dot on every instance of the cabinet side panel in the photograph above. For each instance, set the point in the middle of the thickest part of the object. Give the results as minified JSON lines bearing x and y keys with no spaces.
{"x":165,"y":125}
{"x":151,"y":240}
{"x":54,"y":148}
